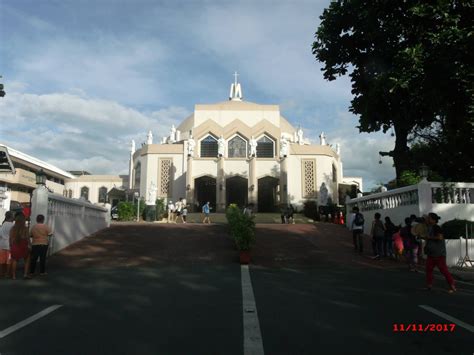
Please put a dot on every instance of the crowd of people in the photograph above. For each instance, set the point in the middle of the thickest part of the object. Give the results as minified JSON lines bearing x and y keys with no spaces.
{"x":18,"y":242}
{"x":178,"y":210}
{"x":408,"y":242}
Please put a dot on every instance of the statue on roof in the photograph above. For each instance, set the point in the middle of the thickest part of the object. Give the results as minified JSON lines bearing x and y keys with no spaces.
{"x":284,"y":147}
{"x":172,"y":138}
{"x":132,"y":146}
{"x":149,"y":138}
{"x":221,"y":146}
{"x":299,"y":134}
{"x":191,"y":145}
{"x":322,"y":138}
{"x":253,"y":146}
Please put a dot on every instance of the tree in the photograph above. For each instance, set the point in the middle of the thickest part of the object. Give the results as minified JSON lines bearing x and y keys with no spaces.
{"x":409,"y":64}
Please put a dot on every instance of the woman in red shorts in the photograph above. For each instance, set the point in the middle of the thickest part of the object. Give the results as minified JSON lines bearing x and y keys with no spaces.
{"x":19,"y":245}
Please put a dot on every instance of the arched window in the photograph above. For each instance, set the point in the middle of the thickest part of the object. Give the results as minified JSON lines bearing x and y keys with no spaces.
{"x":103,"y":194}
{"x":237,"y":148}
{"x":209,"y":147}
{"x":69,"y":193}
{"x":138,"y":171}
{"x":85,"y":193}
{"x":265,"y":148}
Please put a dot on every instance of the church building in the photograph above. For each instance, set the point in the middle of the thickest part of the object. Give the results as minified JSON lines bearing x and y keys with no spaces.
{"x":239,"y":152}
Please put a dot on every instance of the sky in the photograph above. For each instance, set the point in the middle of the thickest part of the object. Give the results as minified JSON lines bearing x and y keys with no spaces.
{"x":85,"y":77}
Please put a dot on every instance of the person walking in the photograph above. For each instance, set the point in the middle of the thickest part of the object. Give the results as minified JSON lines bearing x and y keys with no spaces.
{"x":171,"y":209}
{"x":420,"y":231}
{"x":435,"y":250}
{"x":179,"y":209}
{"x":40,"y":234}
{"x":390,"y":230}
{"x":378,"y":234}
{"x":19,"y":245}
{"x":5,"y":256}
{"x":206,"y":209}
{"x":410,"y":245}
{"x":357,"y":226}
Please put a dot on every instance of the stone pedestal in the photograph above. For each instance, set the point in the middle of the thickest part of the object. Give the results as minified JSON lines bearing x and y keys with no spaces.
{"x":253,"y":183}
{"x":150,"y":213}
{"x":284,"y":181}
{"x":220,"y":186}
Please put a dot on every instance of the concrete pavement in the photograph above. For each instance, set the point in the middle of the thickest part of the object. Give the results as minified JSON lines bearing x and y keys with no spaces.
{"x":176,"y":289}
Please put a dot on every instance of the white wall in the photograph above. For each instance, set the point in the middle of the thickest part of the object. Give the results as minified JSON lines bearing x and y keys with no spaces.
{"x":203,"y":167}
{"x":69,"y":219}
{"x":76,"y":185}
{"x":236,"y":167}
{"x":224,"y":117}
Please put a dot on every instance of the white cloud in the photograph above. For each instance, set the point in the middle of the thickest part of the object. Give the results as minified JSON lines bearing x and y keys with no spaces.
{"x":79,"y":133}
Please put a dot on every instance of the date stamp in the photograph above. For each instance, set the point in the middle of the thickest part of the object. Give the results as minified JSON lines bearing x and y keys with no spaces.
{"x":421,"y":328}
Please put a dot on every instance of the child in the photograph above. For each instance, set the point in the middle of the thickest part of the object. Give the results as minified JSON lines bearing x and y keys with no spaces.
{"x":19,"y":245}
{"x":398,"y":244}
{"x":39,"y":235}
{"x":5,"y":257}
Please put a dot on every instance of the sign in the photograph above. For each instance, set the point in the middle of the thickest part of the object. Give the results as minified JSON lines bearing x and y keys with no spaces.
{"x":6,"y":165}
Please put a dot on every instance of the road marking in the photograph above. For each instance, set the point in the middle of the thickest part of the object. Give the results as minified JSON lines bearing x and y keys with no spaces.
{"x":28,"y":320}
{"x":448,"y":317}
{"x":252,"y":336}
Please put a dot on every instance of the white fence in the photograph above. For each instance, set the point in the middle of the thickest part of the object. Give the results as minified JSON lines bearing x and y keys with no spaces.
{"x":448,"y":200}
{"x":69,"y":219}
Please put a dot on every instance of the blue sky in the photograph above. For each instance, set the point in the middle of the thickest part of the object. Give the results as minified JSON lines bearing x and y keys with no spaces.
{"x":84,"y":77}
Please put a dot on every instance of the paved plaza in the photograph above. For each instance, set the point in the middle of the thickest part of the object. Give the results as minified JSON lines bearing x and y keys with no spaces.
{"x":177,"y":289}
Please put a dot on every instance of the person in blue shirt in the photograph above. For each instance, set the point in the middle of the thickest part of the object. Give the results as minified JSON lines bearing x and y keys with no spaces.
{"x":206,"y":209}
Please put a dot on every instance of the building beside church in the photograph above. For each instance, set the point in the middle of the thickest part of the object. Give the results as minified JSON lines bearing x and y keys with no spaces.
{"x":239,"y":152}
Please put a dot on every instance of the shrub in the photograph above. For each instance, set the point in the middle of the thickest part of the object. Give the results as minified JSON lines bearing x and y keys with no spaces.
{"x":456,"y":228}
{"x":242,"y":227}
{"x":126,"y":211}
{"x":310,"y":209}
{"x":160,"y":208}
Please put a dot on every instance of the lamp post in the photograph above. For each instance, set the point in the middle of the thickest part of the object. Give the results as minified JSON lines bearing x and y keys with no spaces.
{"x":424,"y":171}
{"x":40,"y":178}
{"x":137,"y":195}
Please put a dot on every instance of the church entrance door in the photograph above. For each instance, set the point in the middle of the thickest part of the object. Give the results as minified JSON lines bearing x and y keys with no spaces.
{"x":205,"y":190}
{"x":267,"y":194}
{"x":236,"y":191}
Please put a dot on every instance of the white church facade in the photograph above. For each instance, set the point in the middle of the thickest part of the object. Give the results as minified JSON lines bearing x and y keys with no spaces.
{"x":236,"y":152}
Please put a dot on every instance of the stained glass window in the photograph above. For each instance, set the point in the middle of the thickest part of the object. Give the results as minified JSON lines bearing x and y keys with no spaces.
{"x":209,"y":147}
{"x":237,"y":148}
{"x":265,"y":148}
{"x":85,"y":192}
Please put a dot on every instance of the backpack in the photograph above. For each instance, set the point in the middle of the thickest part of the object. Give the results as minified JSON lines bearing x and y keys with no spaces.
{"x":359,"y":219}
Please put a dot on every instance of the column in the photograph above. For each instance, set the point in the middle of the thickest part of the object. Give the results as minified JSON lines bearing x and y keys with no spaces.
{"x":283,"y":181}
{"x":190,"y":183}
{"x":253,"y":183}
{"x":220,"y":186}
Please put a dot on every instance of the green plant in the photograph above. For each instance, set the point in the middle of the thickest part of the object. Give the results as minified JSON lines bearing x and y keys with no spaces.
{"x":242,"y":227}
{"x":160,"y":208}
{"x":310,"y":209}
{"x":126,"y":211}
{"x":456,"y":228}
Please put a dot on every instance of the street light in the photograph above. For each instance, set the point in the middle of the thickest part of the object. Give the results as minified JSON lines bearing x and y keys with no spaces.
{"x":40,"y":178}
{"x":137,"y":195}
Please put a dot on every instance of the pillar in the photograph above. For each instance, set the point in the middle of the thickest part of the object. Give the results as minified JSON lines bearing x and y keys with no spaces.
{"x":253,"y":183}
{"x":220,"y":186}
{"x":284,"y":181}
{"x":190,"y":183}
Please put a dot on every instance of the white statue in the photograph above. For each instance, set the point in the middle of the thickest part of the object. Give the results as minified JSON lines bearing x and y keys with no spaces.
{"x":149,"y":138}
{"x":177,"y":135}
{"x":322,"y":138}
{"x":191,"y":145}
{"x":172,"y":134}
{"x":323,"y":194}
{"x":338,"y":149}
{"x":132,"y":146}
{"x":284,"y":147}
{"x":299,"y":133}
{"x":221,"y":146}
{"x":253,"y":147}
{"x":152,"y":194}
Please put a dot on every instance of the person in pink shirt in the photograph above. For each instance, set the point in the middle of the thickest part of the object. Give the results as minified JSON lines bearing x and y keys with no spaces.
{"x":39,"y":245}
{"x":398,"y":244}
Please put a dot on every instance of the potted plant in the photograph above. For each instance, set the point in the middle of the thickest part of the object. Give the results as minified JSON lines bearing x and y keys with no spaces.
{"x":242,"y":229}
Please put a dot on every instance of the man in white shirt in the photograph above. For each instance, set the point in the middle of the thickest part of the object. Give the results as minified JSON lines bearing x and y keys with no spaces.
{"x":5,"y":258}
{"x":171,"y":209}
